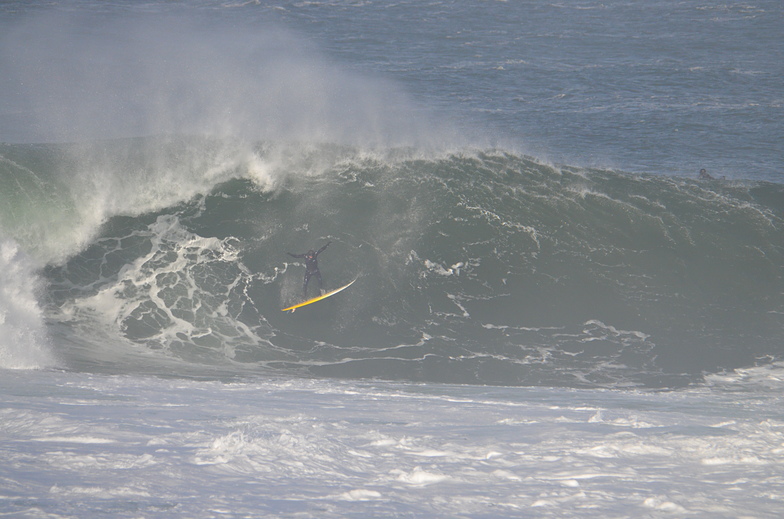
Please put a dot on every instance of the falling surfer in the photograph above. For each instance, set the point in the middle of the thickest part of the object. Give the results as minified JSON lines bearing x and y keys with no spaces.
{"x":311,"y":268}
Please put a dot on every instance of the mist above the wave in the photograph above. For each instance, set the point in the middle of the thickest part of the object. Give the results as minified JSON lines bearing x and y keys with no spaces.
{"x":203,"y":92}
{"x":78,"y":77}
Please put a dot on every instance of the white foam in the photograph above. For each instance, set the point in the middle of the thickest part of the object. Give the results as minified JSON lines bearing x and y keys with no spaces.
{"x":419,"y":477}
{"x":360,"y":494}
{"x":91,"y":440}
{"x":663,"y":504}
{"x":100,"y":492}
{"x":23,"y":340}
{"x":168,"y":279}
{"x":324,"y":448}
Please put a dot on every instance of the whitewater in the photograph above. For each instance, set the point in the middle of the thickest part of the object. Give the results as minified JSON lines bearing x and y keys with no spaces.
{"x":552,"y":314}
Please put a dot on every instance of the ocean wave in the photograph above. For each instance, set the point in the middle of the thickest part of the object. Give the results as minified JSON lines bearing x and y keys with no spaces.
{"x":477,"y":266}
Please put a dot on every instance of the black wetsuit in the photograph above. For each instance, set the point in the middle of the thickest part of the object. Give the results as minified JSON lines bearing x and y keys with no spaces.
{"x":311,"y":267}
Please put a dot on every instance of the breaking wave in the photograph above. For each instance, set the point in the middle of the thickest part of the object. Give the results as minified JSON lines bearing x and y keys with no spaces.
{"x":477,"y":266}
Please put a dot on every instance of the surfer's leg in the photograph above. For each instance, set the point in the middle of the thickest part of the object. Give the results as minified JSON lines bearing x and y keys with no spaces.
{"x":321,"y":283}
{"x":305,"y":285}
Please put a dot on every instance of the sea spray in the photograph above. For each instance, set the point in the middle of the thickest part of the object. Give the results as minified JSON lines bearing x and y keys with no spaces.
{"x":86,"y":77}
{"x":23,"y":339}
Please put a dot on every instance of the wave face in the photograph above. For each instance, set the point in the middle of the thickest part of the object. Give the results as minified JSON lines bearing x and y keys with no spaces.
{"x":474,"y":266}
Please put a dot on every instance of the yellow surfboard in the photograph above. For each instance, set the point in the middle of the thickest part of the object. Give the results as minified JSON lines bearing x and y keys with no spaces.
{"x":319,"y":298}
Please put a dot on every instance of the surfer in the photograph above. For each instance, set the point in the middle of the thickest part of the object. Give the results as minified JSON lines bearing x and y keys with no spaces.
{"x":311,"y":267}
{"x":704,"y":175}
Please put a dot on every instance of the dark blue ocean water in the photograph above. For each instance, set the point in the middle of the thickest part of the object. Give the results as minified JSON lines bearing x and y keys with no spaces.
{"x":662,"y":87}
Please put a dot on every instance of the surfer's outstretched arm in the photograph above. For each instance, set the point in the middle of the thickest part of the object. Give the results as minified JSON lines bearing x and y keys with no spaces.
{"x":296,"y":255}
{"x":322,"y":248}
